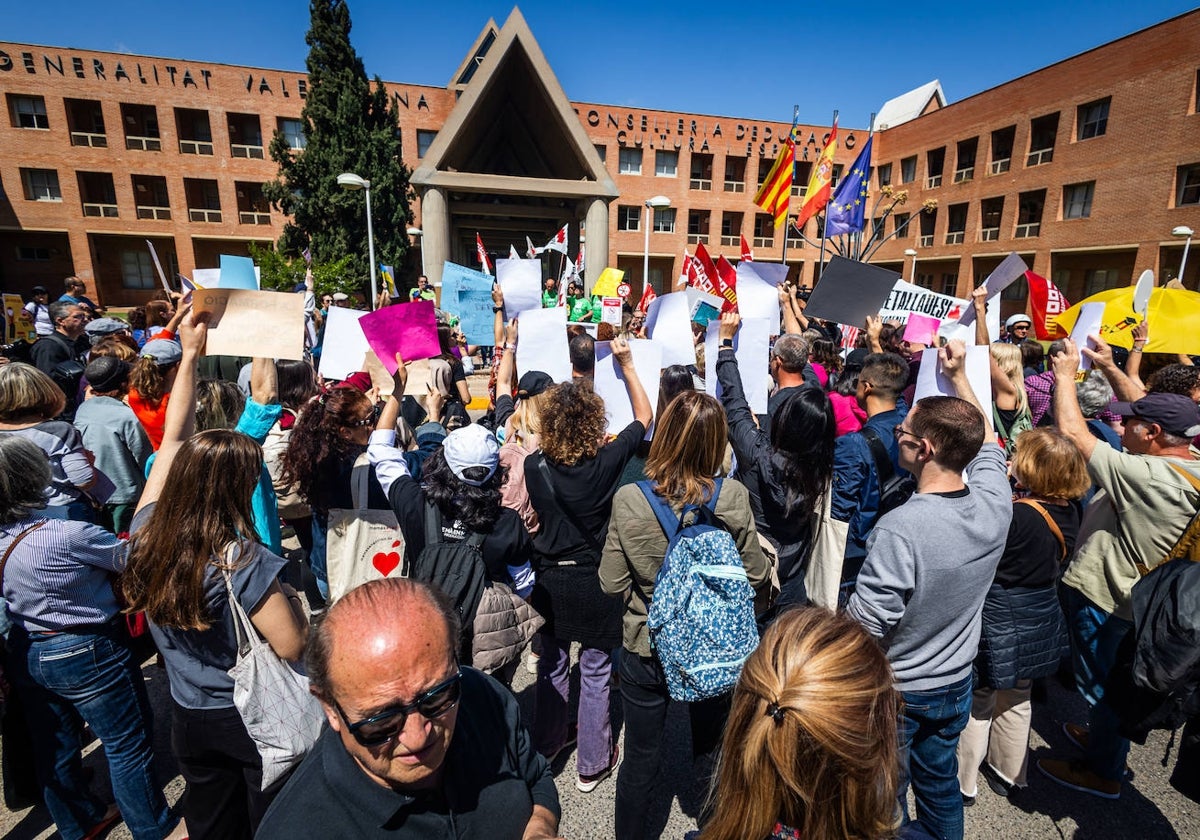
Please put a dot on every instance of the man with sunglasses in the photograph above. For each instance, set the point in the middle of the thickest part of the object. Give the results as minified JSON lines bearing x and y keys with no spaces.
{"x":417,"y":745}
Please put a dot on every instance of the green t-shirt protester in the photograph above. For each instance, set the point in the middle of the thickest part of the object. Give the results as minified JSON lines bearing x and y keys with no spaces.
{"x":578,"y":306}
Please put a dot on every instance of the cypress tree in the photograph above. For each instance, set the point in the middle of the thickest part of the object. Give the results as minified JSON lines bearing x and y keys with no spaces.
{"x":350,"y":126}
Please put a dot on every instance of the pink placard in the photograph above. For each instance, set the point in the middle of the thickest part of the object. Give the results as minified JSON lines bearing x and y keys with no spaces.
{"x":922,"y":329}
{"x":409,"y":329}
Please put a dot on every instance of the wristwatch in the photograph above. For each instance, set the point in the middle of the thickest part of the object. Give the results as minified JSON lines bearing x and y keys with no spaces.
{"x":497,"y":308}
{"x":726,"y":343}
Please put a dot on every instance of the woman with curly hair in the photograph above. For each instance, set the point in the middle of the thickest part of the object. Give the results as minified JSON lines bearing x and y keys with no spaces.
{"x":571,"y":483}
{"x":330,"y":434}
{"x":810,"y":749}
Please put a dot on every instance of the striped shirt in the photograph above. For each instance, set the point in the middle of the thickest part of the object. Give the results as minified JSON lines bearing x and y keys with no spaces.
{"x":60,"y":576}
{"x":69,"y":466}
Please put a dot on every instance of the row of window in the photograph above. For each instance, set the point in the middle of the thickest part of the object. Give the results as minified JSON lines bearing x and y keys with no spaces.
{"x":666,"y":165}
{"x":98,"y":196}
{"x":699,"y":225}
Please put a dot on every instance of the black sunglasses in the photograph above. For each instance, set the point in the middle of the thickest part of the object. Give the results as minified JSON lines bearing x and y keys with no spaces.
{"x":388,"y":724}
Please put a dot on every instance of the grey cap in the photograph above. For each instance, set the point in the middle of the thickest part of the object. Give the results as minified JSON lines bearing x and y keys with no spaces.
{"x":101,"y":327}
{"x":163,"y":351}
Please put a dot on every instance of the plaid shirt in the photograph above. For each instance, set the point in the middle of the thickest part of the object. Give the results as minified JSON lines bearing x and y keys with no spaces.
{"x":1040,"y":388}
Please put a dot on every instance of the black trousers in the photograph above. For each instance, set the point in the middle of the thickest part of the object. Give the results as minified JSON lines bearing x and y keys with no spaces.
{"x":644,"y":699}
{"x":223,"y":771}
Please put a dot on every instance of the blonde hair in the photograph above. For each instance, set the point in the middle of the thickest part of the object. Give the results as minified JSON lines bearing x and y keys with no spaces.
{"x":1049,"y":465}
{"x":811,"y":737}
{"x":527,"y":418}
{"x":688,"y":448}
{"x":1010,"y":361}
{"x":27,"y":392}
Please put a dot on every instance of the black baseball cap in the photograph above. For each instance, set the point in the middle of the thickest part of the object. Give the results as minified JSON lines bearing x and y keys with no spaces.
{"x":533,"y":383}
{"x":1175,"y":413}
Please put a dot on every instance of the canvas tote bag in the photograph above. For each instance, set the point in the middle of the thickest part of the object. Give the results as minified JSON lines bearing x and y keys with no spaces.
{"x":823,"y":578}
{"x":362,"y":544}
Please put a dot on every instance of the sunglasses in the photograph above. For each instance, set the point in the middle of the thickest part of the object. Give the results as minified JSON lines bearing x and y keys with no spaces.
{"x":388,"y":724}
{"x":370,"y":420}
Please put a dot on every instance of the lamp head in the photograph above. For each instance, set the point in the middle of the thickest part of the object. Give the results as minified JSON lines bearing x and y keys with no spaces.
{"x":1182,"y":230}
{"x":414,"y":231}
{"x":658,"y":201}
{"x":910,"y":252}
{"x":350,"y":181}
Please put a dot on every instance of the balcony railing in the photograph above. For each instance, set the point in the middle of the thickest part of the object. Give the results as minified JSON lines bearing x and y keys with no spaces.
{"x":252,"y":218}
{"x":145,"y":144}
{"x":764,"y":242}
{"x":161,"y":213}
{"x":964,"y":174}
{"x":700,"y":184}
{"x":1028,"y":231}
{"x":989,"y":234}
{"x":735,"y":186}
{"x":195,"y":147}
{"x":697,"y":239}
{"x":926,"y":241}
{"x":955,"y":237}
{"x":1001,"y":166}
{"x":88,"y":138}
{"x":933,"y":181}
{"x":1037,"y":158}
{"x":195,"y":215}
{"x":731,"y":240}
{"x":241,"y":150}
{"x":99,"y":210}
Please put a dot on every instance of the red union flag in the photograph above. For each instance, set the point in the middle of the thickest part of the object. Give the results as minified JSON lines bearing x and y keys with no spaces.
{"x":484,"y":264}
{"x":727,"y":278}
{"x":1047,"y":303}
{"x":647,"y":296}
{"x":558,"y":242}
{"x":702,"y":274}
{"x":747,"y":254}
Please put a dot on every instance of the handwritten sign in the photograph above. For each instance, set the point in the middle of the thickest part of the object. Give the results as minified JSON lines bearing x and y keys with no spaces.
{"x":907,"y":298}
{"x":468,"y":294}
{"x":409,"y":329}
{"x":244,"y":322}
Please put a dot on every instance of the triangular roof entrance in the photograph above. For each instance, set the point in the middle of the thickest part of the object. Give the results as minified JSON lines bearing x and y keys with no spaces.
{"x":513,"y":130}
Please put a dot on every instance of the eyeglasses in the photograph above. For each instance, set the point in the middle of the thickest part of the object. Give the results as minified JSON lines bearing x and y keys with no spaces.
{"x":370,"y":420}
{"x":900,"y":431}
{"x":388,"y":724}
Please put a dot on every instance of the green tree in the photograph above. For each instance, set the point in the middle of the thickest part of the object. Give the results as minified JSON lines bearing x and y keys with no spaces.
{"x":282,"y":273}
{"x":350,"y":126}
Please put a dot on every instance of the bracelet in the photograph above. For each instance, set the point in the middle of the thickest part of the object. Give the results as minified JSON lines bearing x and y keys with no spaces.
{"x":1135,"y":349}
{"x":510,"y":347}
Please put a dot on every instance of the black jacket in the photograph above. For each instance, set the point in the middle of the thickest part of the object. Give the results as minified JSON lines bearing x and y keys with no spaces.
{"x":1024,"y":636}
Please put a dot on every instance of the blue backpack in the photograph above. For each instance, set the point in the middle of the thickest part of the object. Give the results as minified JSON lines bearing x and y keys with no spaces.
{"x":701,"y":619}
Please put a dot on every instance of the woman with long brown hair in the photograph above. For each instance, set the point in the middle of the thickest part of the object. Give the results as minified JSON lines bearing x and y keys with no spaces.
{"x":810,"y":748}
{"x":688,"y":450}
{"x":194,"y":540}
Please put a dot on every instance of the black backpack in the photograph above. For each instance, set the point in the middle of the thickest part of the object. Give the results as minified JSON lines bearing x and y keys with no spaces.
{"x":894,"y":489}
{"x":456,"y":568}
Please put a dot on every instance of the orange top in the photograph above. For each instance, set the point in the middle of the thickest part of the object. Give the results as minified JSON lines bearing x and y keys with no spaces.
{"x":153,"y":420}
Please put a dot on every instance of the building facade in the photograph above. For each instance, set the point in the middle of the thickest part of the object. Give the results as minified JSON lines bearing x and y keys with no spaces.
{"x":1084,"y":167}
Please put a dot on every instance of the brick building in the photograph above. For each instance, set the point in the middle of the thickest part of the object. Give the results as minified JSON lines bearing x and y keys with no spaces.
{"x":1084,"y":167}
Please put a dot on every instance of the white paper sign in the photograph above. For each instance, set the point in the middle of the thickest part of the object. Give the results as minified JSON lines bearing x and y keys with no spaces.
{"x":609,"y":382}
{"x":208,"y":278}
{"x":1091,"y":317}
{"x":751,"y":348}
{"x":758,"y":291}
{"x":521,"y":282}
{"x":1141,"y":293}
{"x":668,"y":323}
{"x":542,"y":342}
{"x":931,"y":382}
{"x":345,"y":346}
{"x":993,"y":317}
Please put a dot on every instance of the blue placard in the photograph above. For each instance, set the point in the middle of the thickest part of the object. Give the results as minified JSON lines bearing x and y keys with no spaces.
{"x":238,"y":273}
{"x":467,"y":293}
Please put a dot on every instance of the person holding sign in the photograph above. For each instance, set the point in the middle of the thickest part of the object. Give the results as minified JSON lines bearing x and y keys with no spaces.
{"x":1011,"y":415}
{"x":579,"y":307}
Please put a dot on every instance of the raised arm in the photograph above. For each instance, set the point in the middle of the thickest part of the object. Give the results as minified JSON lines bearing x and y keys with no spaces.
{"x":264,"y":381}
{"x":979,"y":297}
{"x":874,"y":328}
{"x":1125,"y":389}
{"x":1141,"y":337}
{"x":643,"y":412}
{"x":498,"y":310}
{"x":1067,"y":416}
{"x":790,"y":323}
{"x":953,"y":357}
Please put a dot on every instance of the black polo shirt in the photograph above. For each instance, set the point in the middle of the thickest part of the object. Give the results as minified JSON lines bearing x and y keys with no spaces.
{"x":491,"y":780}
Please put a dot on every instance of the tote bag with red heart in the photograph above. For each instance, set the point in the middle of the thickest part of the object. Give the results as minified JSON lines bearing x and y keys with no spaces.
{"x":362,"y":544}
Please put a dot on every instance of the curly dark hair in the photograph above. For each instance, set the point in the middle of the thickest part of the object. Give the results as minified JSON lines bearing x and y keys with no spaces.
{"x":477,"y":508}
{"x":319,"y":449}
{"x":573,"y":423}
{"x":1175,"y":379}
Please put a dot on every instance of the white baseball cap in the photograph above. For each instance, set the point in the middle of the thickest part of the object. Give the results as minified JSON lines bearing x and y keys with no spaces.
{"x":471,"y":446}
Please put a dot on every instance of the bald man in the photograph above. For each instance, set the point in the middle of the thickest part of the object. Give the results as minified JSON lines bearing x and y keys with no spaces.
{"x":417,"y":745}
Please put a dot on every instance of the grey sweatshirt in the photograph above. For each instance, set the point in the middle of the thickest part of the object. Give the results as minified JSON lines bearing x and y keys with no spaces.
{"x":112,"y":431}
{"x":928,"y":568}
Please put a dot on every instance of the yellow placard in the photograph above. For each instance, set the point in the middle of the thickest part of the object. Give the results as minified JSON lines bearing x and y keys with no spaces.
{"x":606,"y":285}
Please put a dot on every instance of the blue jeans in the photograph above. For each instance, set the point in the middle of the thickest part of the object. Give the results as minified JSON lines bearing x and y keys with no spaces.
{"x":316,"y":557}
{"x":1095,"y":637}
{"x":550,"y":728}
{"x":929,"y":728}
{"x":90,"y":675}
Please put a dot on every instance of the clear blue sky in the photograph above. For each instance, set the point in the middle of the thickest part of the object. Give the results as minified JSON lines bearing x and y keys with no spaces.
{"x":701,"y":56}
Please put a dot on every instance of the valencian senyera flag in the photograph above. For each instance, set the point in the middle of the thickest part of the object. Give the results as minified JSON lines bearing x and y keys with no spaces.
{"x":846,"y":212}
{"x":776,"y":188}
{"x":817,"y":194}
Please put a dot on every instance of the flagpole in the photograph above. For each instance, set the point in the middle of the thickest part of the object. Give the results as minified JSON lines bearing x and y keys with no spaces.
{"x":825,"y":223}
{"x":787,"y":221}
{"x":858,"y":244}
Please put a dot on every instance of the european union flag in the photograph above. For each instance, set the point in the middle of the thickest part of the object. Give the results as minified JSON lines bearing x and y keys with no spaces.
{"x":847,"y":209}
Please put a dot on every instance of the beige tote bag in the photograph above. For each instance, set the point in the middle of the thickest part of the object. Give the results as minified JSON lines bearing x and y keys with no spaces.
{"x":362,"y":544}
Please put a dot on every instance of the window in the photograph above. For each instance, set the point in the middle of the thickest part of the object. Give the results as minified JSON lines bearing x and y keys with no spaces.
{"x":698,"y":225}
{"x":629,"y":217}
{"x":1092,"y":119}
{"x":29,"y":253}
{"x":925,"y":281}
{"x":991,"y":210}
{"x":735,"y":174}
{"x":85,"y":120}
{"x":1042,"y":132}
{"x":41,"y":185}
{"x":28,"y":112}
{"x":664,"y":219}
{"x":901,"y":220}
{"x":602,"y":151}
{"x":666,"y":163}
{"x":935,"y":163}
{"x":245,"y":136}
{"x":702,"y":171}
{"x":949,"y":283}
{"x":1002,"y":146}
{"x":764,"y":230}
{"x":965,"y":165}
{"x":150,"y":200}
{"x":1096,"y":280}
{"x":252,"y":205}
{"x":800,"y":177}
{"x":1187,"y":179}
{"x":731,"y":228}
{"x":203,"y":200}
{"x":1077,"y":200}
{"x":928,"y":223}
{"x":141,"y":127}
{"x":835,"y":176}
{"x":97,"y":194}
{"x":630,"y":162}
{"x":956,"y":224}
{"x":425,"y":139}
{"x":908,"y":170}
{"x":195,"y":133}
{"x":878,"y":227}
{"x":137,"y":272}
{"x":1029,"y":213}
{"x":293,"y":134}
{"x":885,"y":174}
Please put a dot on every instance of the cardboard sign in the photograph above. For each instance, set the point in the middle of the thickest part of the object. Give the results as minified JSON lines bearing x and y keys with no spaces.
{"x":521,"y":282}
{"x":1009,"y":271}
{"x":610,"y":311}
{"x":609,"y":381}
{"x":238,"y":273}
{"x":847,"y":292}
{"x":542,"y":343}
{"x":17,"y":323}
{"x":345,"y":346}
{"x":921,"y":329}
{"x":751,"y":347}
{"x":758,"y":291}
{"x":409,"y":329}
{"x":668,"y":323}
{"x":244,"y":322}
{"x":608,"y":282}
{"x":1091,"y":318}
{"x":468,"y":294}
{"x":931,"y":382}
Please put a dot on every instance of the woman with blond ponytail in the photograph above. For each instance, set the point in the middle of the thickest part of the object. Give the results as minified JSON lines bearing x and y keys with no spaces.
{"x":810,"y":749}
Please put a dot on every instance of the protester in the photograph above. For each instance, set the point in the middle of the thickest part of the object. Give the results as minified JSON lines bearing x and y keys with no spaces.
{"x":297,"y":384}
{"x":1023,"y":632}
{"x":848,"y":415}
{"x":423,"y":290}
{"x":522,"y":424}
{"x":582,"y":349}
{"x":579,"y":306}
{"x":549,"y":293}
{"x":193,"y":542}
{"x":1033,"y":357}
{"x":159,"y":317}
{"x":1016,"y":328}
{"x":448,"y":379}
{"x":689,"y":446}
{"x":69,"y":656}
{"x":825,"y":361}
{"x":74,"y":294}
{"x":571,"y":483}
{"x":39,"y":312}
{"x":60,"y":354}
{"x":100,"y":329}
{"x":150,"y":384}
{"x":925,"y":600}
{"x":810,"y":747}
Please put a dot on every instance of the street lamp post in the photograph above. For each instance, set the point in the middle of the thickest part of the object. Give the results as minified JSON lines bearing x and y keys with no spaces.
{"x":652,"y":204}
{"x":352,"y":182}
{"x":1184,"y":232}
{"x":912,"y":275}
{"x":416,"y":233}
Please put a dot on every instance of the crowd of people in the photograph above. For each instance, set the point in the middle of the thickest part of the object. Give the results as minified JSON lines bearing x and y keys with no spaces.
{"x":910,"y":569}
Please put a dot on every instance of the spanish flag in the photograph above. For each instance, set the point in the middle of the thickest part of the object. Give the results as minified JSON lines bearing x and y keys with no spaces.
{"x":776,"y":188}
{"x":817,"y":194}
